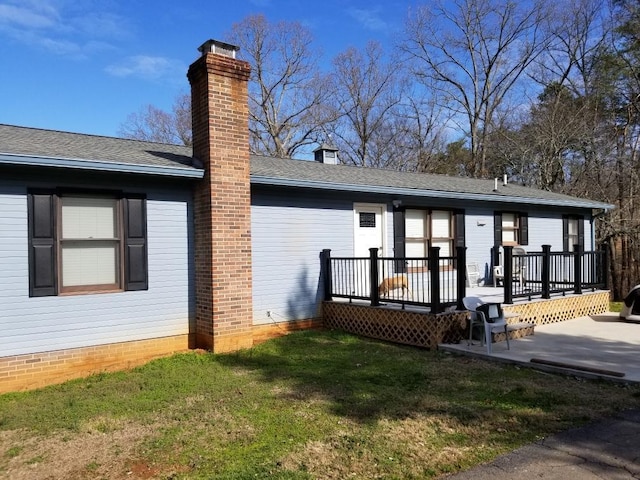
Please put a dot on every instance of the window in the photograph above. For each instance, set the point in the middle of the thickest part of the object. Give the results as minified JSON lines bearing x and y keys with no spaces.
{"x":415,"y":230}
{"x":89,"y":243}
{"x":367,"y":220}
{"x":424,"y":228}
{"x":511,"y":228}
{"x":572,"y":232}
{"x":81,"y":242}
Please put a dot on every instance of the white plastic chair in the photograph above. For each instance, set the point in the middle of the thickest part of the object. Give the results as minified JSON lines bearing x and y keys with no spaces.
{"x":471,"y":304}
{"x":518,"y":269}
{"x":473,"y":274}
{"x":494,"y":322}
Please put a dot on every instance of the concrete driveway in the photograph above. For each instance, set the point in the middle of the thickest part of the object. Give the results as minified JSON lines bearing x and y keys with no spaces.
{"x":598,"y":346}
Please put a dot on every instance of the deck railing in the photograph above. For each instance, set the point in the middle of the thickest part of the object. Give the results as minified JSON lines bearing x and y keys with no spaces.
{"x":545,"y":273}
{"x":432,"y":281}
{"x":438,"y":282}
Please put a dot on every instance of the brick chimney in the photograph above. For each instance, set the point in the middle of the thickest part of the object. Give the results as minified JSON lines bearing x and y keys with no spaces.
{"x":222,"y":199}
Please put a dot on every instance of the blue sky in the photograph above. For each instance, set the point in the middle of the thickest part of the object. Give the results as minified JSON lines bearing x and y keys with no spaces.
{"x":84,"y":65}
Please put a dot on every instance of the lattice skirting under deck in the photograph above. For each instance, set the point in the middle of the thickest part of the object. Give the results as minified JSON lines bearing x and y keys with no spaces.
{"x":399,"y":326}
{"x":560,"y":309}
{"x":428,"y":330}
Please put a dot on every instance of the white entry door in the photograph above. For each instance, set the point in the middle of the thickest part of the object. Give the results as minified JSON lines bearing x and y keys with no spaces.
{"x":368,"y":229}
{"x":369,"y":233}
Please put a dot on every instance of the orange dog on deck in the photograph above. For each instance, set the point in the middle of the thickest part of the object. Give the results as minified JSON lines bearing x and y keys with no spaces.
{"x":394,"y":283}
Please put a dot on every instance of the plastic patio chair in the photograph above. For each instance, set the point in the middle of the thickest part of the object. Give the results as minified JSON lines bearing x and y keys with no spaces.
{"x":471,"y":304}
{"x":473,"y":274}
{"x":494,"y":322}
{"x":518,"y":269}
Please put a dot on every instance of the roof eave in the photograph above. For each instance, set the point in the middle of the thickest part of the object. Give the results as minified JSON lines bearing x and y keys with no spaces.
{"x":425,"y":193}
{"x":97,"y":165}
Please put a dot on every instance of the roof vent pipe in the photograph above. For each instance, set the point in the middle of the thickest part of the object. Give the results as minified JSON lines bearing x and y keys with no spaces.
{"x":495,"y":184}
{"x":504,"y":180}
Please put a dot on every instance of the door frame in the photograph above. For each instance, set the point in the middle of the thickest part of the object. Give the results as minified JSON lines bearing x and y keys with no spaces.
{"x":359,"y":206}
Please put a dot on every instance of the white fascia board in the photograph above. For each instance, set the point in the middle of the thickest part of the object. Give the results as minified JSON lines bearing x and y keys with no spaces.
{"x":97,"y":165}
{"x":425,"y":193}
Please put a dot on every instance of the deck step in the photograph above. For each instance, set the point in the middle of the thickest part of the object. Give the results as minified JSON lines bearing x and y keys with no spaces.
{"x":515,"y":330}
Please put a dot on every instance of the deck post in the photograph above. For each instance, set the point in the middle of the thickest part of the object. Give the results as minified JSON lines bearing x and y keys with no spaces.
{"x":461,"y":259}
{"x":325,"y":265}
{"x":373,"y":277}
{"x":577,"y":269}
{"x":434,"y":273}
{"x":507,"y":281}
{"x":546,"y":271}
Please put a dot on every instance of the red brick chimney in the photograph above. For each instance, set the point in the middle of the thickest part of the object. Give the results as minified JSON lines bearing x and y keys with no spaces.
{"x":222,"y":199}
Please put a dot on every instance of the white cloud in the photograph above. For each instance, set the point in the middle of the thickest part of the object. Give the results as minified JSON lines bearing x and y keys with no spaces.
{"x":368,"y":18}
{"x":75,"y":29}
{"x":147,"y":67}
{"x":38,"y":16}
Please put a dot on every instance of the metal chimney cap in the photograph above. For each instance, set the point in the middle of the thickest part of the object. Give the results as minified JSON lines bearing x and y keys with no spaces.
{"x":221,"y":48}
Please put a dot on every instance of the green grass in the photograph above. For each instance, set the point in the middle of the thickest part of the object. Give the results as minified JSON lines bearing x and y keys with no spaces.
{"x":308,"y":405}
{"x":615,"y":306}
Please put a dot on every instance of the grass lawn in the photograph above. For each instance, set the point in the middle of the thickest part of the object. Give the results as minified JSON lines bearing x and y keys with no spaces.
{"x":308,"y":405}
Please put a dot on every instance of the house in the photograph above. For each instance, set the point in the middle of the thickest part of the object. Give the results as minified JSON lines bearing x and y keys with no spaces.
{"x":118,"y":251}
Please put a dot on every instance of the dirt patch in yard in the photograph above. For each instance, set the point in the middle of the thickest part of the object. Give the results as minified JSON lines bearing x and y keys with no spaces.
{"x":105,"y":449}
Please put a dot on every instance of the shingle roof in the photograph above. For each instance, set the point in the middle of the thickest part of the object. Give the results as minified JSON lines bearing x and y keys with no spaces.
{"x":22,"y":145}
{"x":277,"y":171}
{"x":50,"y":147}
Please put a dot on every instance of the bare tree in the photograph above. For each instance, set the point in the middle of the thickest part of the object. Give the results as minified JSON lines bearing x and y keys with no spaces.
{"x":286,"y":91}
{"x":423,"y":135}
{"x":475,"y":51}
{"x":368,"y":90}
{"x":155,"y":125}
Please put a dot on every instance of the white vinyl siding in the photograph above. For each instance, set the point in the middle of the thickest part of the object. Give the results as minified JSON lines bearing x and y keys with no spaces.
{"x":288,"y":233}
{"x":39,"y":324}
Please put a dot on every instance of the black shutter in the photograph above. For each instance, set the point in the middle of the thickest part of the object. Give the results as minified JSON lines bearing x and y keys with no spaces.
{"x":459,"y":226}
{"x":136,"y":276}
{"x":565,"y":234}
{"x":581,"y":231}
{"x":398,"y":239}
{"x":524,"y":229}
{"x":43,"y":280}
{"x":497,"y":229}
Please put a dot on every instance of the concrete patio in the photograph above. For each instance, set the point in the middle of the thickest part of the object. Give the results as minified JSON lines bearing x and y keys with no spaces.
{"x":597,"y":346}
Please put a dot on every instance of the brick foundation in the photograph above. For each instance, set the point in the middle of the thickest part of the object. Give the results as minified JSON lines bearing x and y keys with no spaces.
{"x":262,"y":333}
{"x":26,"y":372}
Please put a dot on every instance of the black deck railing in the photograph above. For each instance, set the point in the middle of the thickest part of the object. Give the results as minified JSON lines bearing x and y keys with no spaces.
{"x":546,"y":273}
{"x":431,"y":281}
{"x":438,"y":282}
